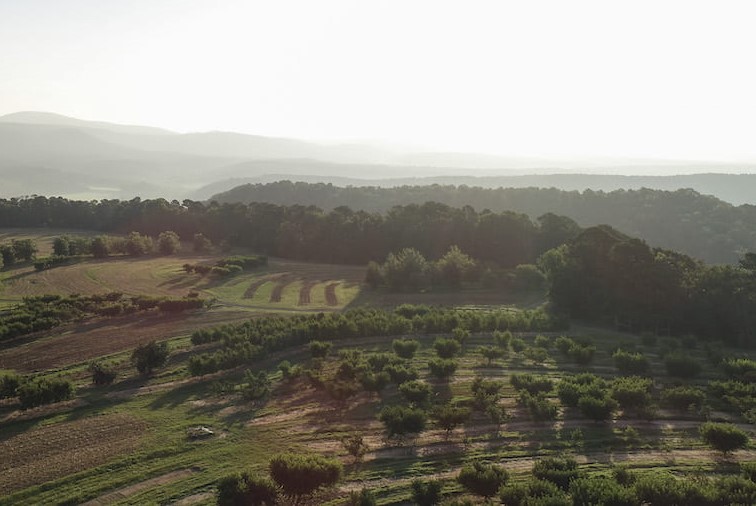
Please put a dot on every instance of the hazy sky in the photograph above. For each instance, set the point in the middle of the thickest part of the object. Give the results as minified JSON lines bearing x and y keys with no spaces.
{"x":628,"y":78}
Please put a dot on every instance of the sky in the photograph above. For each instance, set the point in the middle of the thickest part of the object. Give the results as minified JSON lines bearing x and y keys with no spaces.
{"x":659,"y":79}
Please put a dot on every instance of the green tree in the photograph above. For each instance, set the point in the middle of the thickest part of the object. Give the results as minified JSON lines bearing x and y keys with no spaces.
{"x":406,"y":270}
{"x":415,"y":392}
{"x":400,"y":420}
{"x":491,"y":353}
{"x":201,"y":244}
{"x":24,"y":249}
{"x":355,"y":446}
{"x":100,"y":247}
{"x":483,"y":479}
{"x":301,"y":475}
{"x":244,"y":489}
{"x":442,"y":368}
{"x":598,"y":409}
{"x":320,"y":349}
{"x":138,"y":244}
{"x":405,"y":348}
{"x":61,"y":246}
{"x":450,"y":417}
{"x":454,"y":267}
{"x":724,"y":437}
{"x":168,"y":243}
{"x":426,"y":493}
{"x":446,"y":348}
{"x":150,"y":356}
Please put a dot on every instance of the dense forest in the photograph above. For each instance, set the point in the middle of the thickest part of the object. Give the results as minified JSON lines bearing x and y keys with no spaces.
{"x":308,"y":233}
{"x":699,"y":225}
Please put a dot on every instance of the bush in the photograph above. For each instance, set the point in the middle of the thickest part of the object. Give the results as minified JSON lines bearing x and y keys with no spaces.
{"x":502,"y":339}
{"x":483,"y":479}
{"x":630,"y":363}
{"x":538,"y":406}
{"x":400,"y":420}
{"x":446,"y":348}
{"x":531,"y":383}
{"x":595,"y":490}
{"x":442,"y":368}
{"x":44,"y":391}
{"x":537,"y":355}
{"x":559,"y":471}
{"x":683,"y":398}
{"x":582,"y":354}
{"x":150,"y":356}
{"x":563,"y":344}
{"x":449,"y":417}
{"x":743,"y":369}
{"x":723,"y":436}
{"x":491,"y":353}
{"x":244,"y":489}
{"x":362,"y":498}
{"x":168,"y":243}
{"x":9,"y":384}
{"x":401,"y":373}
{"x":598,"y":409}
{"x":542,"y":341}
{"x":256,"y":386}
{"x":518,"y":344}
{"x":405,"y":348}
{"x":201,"y":244}
{"x":320,"y":349}
{"x":632,"y":393}
{"x":681,"y":365}
{"x":299,"y":475}
{"x":426,"y":493}
{"x":415,"y":392}
{"x":101,"y":375}
{"x":572,"y":388}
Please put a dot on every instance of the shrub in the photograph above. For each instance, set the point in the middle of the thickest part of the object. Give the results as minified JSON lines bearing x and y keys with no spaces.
{"x":320,"y":349}
{"x":483,"y":479}
{"x":168,"y":243}
{"x":401,"y":373}
{"x":426,"y":493}
{"x":400,"y":420}
{"x":537,"y":355}
{"x":563,"y":344}
{"x":681,"y":365}
{"x":256,"y":386}
{"x":582,"y":354}
{"x":362,"y":498}
{"x":491,"y":353}
{"x":542,"y":341}
{"x":630,"y":363}
{"x":743,"y":369}
{"x":415,"y":392}
{"x":150,"y":356}
{"x":244,"y":489}
{"x":723,"y":436}
{"x":446,"y":348}
{"x":449,"y":417}
{"x":595,"y":490}
{"x":559,"y":471}
{"x":632,"y":393}
{"x":44,"y":391}
{"x":518,"y":344}
{"x":300,"y":475}
{"x":502,"y":339}
{"x":597,"y":409}
{"x":683,"y":398}
{"x":355,"y":446}
{"x":539,"y":407}
{"x":405,"y":348}
{"x":9,"y":384}
{"x":101,"y":375}
{"x":531,"y":383}
{"x":442,"y":368}
{"x":201,"y":244}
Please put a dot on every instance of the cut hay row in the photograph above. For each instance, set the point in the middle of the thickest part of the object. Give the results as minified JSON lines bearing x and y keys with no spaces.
{"x":275,"y":295}
{"x":304,"y":292}
{"x":330,"y":294}
{"x":252,"y":289}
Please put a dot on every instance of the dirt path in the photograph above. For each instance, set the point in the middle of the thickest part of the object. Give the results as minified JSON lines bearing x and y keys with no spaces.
{"x":125,"y":492}
{"x":304,"y":292}
{"x":330,"y":294}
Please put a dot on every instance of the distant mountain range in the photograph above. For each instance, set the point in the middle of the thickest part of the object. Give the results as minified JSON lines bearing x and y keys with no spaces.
{"x":49,"y":154}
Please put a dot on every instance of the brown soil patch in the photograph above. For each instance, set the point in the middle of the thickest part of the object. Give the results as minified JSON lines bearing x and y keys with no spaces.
{"x":125,"y":492}
{"x":330,"y":294}
{"x":275,"y":295}
{"x":304,"y":292}
{"x":45,"y":454}
{"x":250,"y":292}
{"x":95,"y":338}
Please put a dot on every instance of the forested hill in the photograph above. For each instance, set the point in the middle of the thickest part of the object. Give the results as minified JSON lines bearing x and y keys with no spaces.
{"x":701,"y":226}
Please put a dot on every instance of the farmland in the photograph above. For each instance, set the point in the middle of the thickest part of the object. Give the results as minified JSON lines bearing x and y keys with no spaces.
{"x":127,"y":442}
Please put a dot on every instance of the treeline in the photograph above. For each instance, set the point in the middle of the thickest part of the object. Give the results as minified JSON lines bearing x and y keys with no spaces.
{"x":308,"y":233}
{"x":603,"y":275}
{"x":699,"y":225}
{"x":254,"y":339}
{"x":45,"y":312}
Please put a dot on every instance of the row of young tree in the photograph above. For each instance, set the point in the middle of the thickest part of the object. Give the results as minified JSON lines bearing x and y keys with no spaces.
{"x":603,"y":275}
{"x":18,"y":250}
{"x":309,"y":233}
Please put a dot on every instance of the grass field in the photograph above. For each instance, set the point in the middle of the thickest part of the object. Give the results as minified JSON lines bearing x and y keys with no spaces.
{"x":158,"y":464}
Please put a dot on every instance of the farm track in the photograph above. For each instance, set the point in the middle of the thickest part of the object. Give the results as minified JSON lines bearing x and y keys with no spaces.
{"x":51,"y":452}
{"x":330,"y":294}
{"x":123,"y":493}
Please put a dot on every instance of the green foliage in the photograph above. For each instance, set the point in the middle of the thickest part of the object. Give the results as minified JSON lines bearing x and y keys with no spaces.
{"x":595,"y":490}
{"x":454,"y":267}
{"x":407,"y":270}
{"x":426,"y":493}
{"x":563,"y":344}
{"x":539,"y":407}
{"x":743,"y":369}
{"x":138,"y":244}
{"x":168,"y":243}
{"x":405,"y":348}
{"x":723,"y":436}
{"x":150,"y":356}
{"x":9,"y":384}
{"x":442,"y":368}
{"x":502,"y":339}
{"x":400,"y":420}
{"x":415,"y":392}
{"x":491,"y":353}
{"x":400,"y":373}
{"x":632,"y":393}
{"x":681,"y":365}
{"x":200,"y":243}
{"x":256,"y":385}
{"x":630,"y":363}
{"x":559,"y":471}
{"x":571,"y":388}
{"x":684,"y":398}
{"x":483,"y":479}
{"x":446,"y":348}
{"x":542,"y":341}
{"x":582,"y":354}
{"x":320,"y":349}
{"x":44,"y":391}
{"x":101,"y":374}
{"x":100,"y":247}
{"x":355,"y":446}
{"x":449,"y":417}
{"x":536,"y":355}
{"x":244,"y":489}
{"x":518,"y":344}
{"x":598,"y":409}
{"x":531,"y":383}
{"x":362,"y":498}
{"x":374,"y":275}
{"x":301,"y":475}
